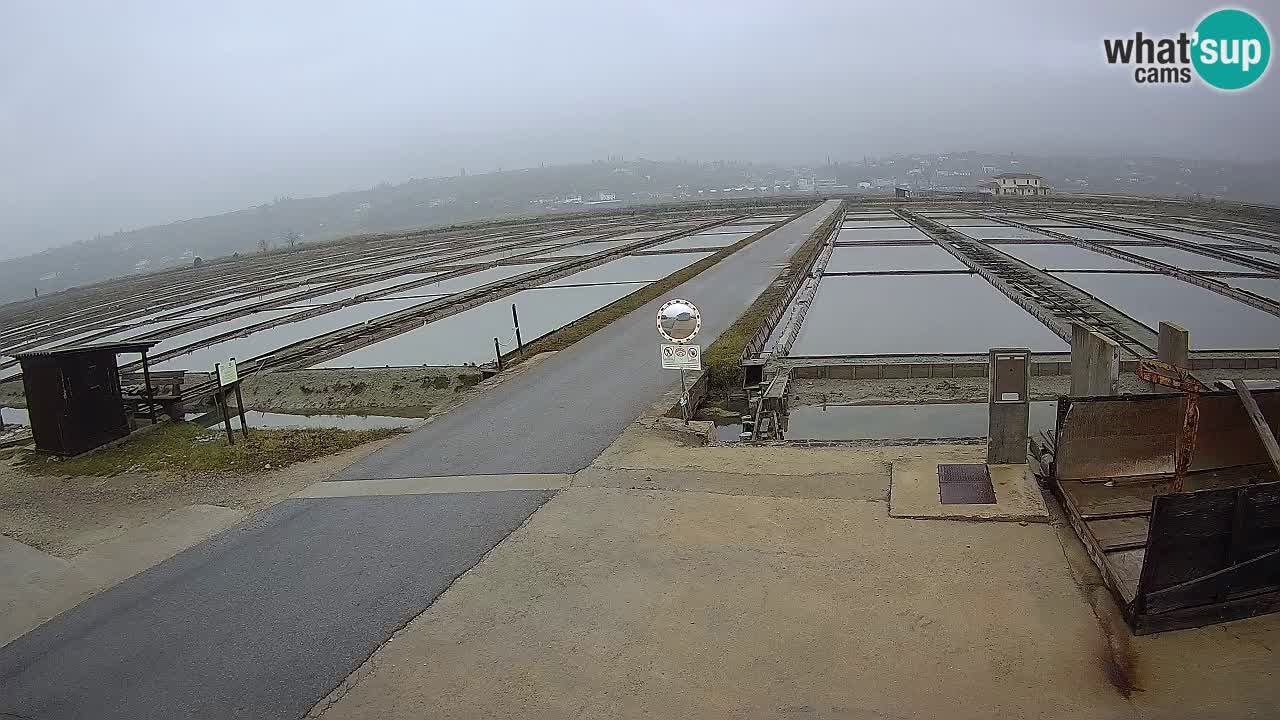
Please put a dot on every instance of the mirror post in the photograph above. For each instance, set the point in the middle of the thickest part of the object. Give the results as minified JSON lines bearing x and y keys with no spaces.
{"x":684,"y":399}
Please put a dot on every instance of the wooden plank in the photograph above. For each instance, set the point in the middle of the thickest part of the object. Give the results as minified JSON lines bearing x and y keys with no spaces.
{"x":1124,"y":542}
{"x":1260,"y":425}
{"x":1202,"y":615}
{"x":1120,"y":533}
{"x":1097,"y":500}
{"x":1266,"y":562}
{"x":1208,"y":546}
{"x":1090,"y":517}
{"x":1122,"y":591}
{"x":1126,"y":568}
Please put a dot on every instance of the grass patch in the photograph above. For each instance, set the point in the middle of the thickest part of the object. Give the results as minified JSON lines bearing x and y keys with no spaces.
{"x":186,"y":448}
{"x":566,"y":336}
{"x":722,"y":361}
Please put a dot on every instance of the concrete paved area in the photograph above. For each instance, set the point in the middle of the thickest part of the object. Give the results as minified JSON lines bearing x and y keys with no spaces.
{"x":613,"y":603}
{"x":915,"y":494}
{"x":558,"y":417}
{"x":631,"y":603}
{"x":673,"y":581}
{"x":262,"y":620}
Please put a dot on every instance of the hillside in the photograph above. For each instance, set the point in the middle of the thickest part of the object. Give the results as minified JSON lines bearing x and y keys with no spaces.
{"x":424,"y":203}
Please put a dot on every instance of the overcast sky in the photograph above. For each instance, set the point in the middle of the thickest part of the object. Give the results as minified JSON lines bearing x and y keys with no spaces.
{"x":121,"y":114}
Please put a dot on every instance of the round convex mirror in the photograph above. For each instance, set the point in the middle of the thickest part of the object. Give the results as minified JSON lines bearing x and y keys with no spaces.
{"x":679,"y":320}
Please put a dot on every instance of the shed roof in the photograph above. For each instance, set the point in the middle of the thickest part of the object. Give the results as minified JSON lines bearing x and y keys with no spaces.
{"x":1019,"y":175}
{"x":117,"y":347}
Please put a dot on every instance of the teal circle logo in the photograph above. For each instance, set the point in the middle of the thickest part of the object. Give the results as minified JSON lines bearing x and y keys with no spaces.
{"x":1232,"y":49}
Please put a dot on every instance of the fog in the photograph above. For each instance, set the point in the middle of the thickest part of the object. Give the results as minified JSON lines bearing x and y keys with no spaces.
{"x":118,"y":115}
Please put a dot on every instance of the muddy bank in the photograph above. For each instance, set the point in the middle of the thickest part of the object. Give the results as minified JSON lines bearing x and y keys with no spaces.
{"x":11,"y":394}
{"x":406,"y":392}
{"x":910,"y":391}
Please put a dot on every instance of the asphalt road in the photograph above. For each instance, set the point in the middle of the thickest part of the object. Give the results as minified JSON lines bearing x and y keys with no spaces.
{"x":558,"y":416}
{"x":263,"y":620}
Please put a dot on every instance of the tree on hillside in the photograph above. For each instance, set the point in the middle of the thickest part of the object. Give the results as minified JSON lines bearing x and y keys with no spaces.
{"x":292,"y":238}
{"x":263,"y":245}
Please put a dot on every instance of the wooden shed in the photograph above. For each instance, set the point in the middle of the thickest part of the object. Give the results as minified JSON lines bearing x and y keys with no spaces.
{"x":74,"y":398}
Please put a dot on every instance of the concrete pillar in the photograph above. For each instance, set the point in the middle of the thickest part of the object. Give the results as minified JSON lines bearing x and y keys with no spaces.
{"x":1009,"y":405}
{"x":1095,"y":363}
{"x":1174,"y":346}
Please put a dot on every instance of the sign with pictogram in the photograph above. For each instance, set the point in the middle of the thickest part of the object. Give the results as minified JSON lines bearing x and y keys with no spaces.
{"x":681,"y":357}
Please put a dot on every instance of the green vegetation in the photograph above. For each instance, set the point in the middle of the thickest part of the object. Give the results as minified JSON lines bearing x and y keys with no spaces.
{"x":185,"y":449}
{"x":438,"y":382}
{"x":566,"y":336}
{"x":723,"y":359}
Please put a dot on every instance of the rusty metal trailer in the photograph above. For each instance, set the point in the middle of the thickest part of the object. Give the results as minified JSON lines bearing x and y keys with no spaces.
{"x":1174,"y":557}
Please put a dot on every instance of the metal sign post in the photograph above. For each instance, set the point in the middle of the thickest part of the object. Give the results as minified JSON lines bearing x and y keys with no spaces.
{"x":684,"y":399}
{"x":229,"y":379}
{"x":221,"y":399}
{"x":679,"y":322}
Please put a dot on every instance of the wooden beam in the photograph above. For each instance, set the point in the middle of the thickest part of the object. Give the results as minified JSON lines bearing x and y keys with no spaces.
{"x":1259,"y":423}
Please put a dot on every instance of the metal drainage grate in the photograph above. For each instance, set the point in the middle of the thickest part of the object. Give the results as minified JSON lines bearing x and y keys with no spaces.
{"x":965,"y":485}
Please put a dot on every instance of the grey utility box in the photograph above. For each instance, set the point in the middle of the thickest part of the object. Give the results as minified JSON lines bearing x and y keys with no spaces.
{"x":1009,"y":405}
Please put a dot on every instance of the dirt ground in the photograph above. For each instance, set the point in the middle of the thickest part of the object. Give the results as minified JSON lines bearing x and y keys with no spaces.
{"x":65,"y":516}
{"x":11,"y":394}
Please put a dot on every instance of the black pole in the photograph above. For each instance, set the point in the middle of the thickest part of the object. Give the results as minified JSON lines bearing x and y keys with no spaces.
{"x":497,"y":350}
{"x":146,"y":378}
{"x":244,"y":426}
{"x":516,"y":319}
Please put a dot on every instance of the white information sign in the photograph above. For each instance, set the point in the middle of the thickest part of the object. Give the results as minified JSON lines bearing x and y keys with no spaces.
{"x":227,"y":373}
{"x":681,"y":357}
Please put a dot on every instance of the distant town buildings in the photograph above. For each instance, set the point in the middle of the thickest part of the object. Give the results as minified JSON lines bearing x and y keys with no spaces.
{"x":1015,"y":185}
